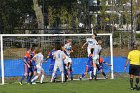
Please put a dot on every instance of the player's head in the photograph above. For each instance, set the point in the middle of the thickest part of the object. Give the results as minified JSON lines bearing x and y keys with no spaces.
{"x":69,"y":40}
{"x":28,"y":49}
{"x":135,"y":46}
{"x":58,"y":47}
{"x":101,"y":60}
{"x":62,"y":47}
{"x":100,"y":42}
{"x":38,"y":50}
{"x":92,"y":49}
{"x":33,"y":48}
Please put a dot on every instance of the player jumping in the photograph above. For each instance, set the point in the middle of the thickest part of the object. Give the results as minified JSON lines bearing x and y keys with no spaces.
{"x":68,"y":61}
{"x":96,"y":55}
{"x":91,"y":43}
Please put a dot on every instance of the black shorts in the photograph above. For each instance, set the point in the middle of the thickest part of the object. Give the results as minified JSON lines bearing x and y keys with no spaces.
{"x":134,"y":70}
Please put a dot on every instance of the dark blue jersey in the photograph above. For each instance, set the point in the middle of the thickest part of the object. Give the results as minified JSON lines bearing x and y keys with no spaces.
{"x":89,"y":62}
{"x":51,"y":54}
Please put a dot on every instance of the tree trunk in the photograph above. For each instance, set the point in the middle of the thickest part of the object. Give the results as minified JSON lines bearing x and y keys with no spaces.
{"x":40,"y":20}
{"x":39,"y":16}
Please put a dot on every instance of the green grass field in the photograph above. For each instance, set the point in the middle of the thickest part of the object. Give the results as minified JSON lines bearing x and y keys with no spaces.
{"x":85,"y":86}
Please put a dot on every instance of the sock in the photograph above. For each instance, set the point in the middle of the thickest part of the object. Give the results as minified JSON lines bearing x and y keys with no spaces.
{"x":83,"y":75}
{"x":42,"y":77}
{"x":62,"y":76}
{"x":90,"y":74}
{"x":34,"y":78}
{"x":137,"y":81}
{"x":28,"y":79}
{"x":53,"y":74}
{"x":22,"y":78}
{"x":103,"y":73}
{"x":71,"y":75}
{"x":131,"y":82}
{"x":94,"y":71}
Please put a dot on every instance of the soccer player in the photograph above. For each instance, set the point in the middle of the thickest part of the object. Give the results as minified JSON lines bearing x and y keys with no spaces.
{"x":32,"y":69}
{"x":68,"y":61}
{"x":89,"y":66}
{"x":38,"y":58}
{"x":91,"y":43}
{"x":134,"y":68}
{"x":59,"y":57}
{"x":26,"y":64}
{"x":52,"y":61}
{"x":100,"y":66}
{"x":96,"y":55}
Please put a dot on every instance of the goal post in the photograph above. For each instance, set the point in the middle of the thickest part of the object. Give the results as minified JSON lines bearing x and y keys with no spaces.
{"x":3,"y":36}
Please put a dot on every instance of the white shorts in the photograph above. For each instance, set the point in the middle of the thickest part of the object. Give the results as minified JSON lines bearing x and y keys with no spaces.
{"x":95,"y":59}
{"x":67,"y":60}
{"x":60,"y":66}
{"x":39,"y":69}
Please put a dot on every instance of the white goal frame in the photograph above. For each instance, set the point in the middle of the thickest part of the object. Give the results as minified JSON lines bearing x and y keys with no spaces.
{"x":5,"y":35}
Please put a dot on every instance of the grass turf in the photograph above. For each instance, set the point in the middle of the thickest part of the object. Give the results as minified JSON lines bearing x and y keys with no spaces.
{"x":86,"y":86}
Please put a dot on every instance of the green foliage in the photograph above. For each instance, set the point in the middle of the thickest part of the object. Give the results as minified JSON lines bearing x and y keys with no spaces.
{"x":137,"y":35}
{"x":11,"y":13}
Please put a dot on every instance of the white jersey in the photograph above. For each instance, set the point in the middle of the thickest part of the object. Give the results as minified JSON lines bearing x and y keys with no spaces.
{"x":68,"y":48}
{"x":39,"y":59}
{"x":97,"y":50}
{"x":91,"y":42}
{"x":59,"y":56}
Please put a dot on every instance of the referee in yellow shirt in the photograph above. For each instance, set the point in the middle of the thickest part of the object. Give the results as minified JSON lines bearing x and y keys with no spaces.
{"x":134,"y":69}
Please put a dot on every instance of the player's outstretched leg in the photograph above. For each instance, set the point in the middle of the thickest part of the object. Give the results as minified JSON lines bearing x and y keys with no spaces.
{"x":33,"y":80}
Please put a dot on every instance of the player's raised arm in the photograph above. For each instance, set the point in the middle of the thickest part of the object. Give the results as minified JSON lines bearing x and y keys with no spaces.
{"x":84,"y":44}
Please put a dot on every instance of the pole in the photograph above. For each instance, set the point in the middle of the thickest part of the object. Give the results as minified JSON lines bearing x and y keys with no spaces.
{"x":131,"y":33}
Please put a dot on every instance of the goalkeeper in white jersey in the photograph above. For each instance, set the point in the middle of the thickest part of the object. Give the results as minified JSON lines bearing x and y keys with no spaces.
{"x":59,"y":57}
{"x":91,"y":43}
{"x":68,"y":61}
{"x":38,"y":58}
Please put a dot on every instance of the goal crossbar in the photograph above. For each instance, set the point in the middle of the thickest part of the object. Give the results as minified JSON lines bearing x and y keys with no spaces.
{"x":37,"y":35}
{"x":103,"y":34}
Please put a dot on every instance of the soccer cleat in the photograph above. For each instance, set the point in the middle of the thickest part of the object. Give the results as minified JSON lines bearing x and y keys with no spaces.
{"x":66,"y":79}
{"x":80,"y":78}
{"x":71,"y":78}
{"x":20,"y":83}
{"x":33,"y":83}
{"x":53,"y":80}
{"x":131,"y":88}
{"x":106,"y":77}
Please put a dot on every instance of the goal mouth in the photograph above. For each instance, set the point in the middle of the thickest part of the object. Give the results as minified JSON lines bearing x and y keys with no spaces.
{"x":11,"y":43}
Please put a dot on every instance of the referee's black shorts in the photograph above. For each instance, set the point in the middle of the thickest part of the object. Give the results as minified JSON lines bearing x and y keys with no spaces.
{"x":134,"y":70}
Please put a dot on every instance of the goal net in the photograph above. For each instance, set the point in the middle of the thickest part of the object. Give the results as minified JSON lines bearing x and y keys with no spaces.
{"x":13,"y":48}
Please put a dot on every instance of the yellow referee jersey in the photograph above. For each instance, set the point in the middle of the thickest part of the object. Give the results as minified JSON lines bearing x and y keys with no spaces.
{"x":134,"y":57}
